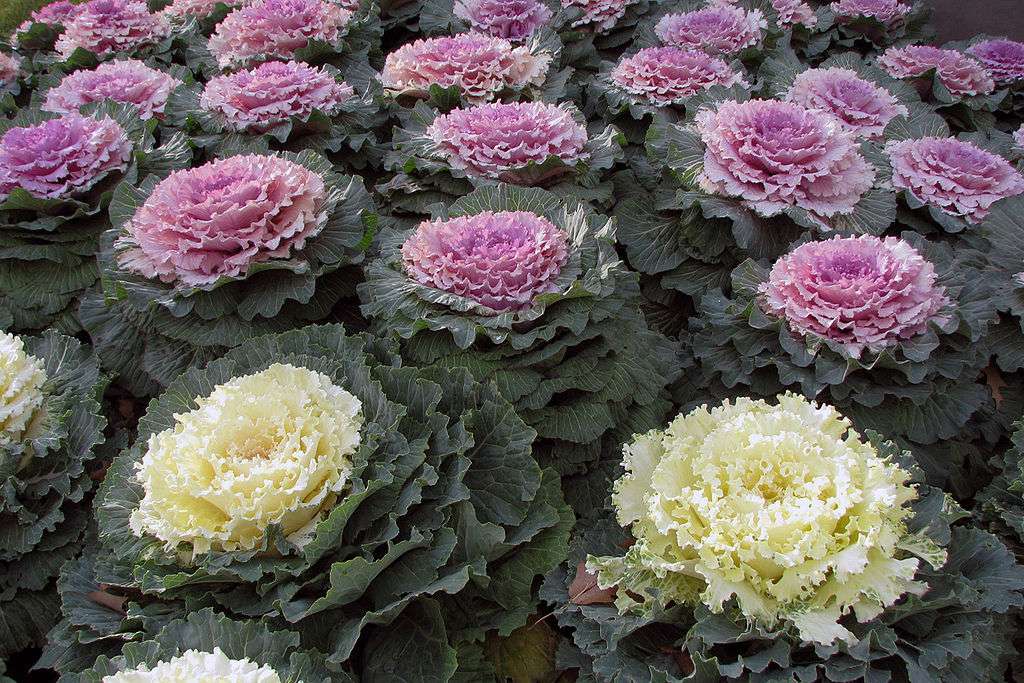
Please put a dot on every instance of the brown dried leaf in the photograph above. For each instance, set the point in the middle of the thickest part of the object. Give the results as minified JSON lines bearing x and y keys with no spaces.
{"x":108,"y":600}
{"x":584,"y":589}
{"x":996,"y":384}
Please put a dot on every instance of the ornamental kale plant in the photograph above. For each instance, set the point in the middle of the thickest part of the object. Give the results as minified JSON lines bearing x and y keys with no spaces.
{"x":720,"y":29}
{"x":106,"y":27}
{"x":861,"y":107}
{"x":516,"y":20}
{"x":281,"y":106}
{"x":527,"y":291}
{"x":952,"y":177}
{"x":891,"y":331}
{"x":793,"y":577}
{"x":402,"y":513}
{"x":276,"y":29}
{"x":50,"y":428}
{"x":830,"y":178}
{"x":210,"y":256}
{"x":530,"y":144}
{"x":807,"y":575}
{"x":1001,"y":58}
{"x":664,"y":76}
{"x":273,"y":92}
{"x":58,"y":175}
{"x":472,"y":66}
{"x":126,"y":81}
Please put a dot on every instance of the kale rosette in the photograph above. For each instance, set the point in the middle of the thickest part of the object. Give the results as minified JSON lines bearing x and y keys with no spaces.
{"x":50,"y":427}
{"x":527,"y":290}
{"x":59,"y":173}
{"x":891,"y":331}
{"x":311,"y":479}
{"x":787,"y":576}
{"x":284,"y":106}
{"x":210,"y":256}
{"x":441,"y":157}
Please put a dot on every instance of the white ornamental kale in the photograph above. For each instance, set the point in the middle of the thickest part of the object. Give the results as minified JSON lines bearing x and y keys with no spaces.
{"x":782,"y":507}
{"x":270,"y":448}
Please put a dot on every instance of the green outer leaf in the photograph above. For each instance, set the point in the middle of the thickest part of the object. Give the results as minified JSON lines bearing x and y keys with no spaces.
{"x":415,"y":648}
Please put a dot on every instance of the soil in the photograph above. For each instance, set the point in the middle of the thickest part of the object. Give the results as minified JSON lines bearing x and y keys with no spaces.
{"x":962,"y":19}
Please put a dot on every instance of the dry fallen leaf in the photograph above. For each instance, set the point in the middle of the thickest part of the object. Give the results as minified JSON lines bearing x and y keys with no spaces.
{"x":584,"y":589}
{"x":996,"y":383}
{"x":108,"y":600}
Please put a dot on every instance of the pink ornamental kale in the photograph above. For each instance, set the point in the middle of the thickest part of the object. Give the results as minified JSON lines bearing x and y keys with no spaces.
{"x":259,"y":99}
{"x":62,"y":157}
{"x":10,"y":69}
{"x":774,"y":155}
{"x":55,"y":13}
{"x":961,"y":75}
{"x":499,"y":260}
{"x":104,"y":27}
{"x":123,"y":80}
{"x":498,"y":140}
{"x":183,"y":9}
{"x":888,"y":12}
{"x":952,"y":175}
{"x":217,"y":220}
{"x":1003,"y":59}
{"x":481,"y":66}
{"x":862,"y":292}
{"x":600,"y":15}
{"x":719,"y":29}
{"x":861,"y":107}
{"x":792,"y":12}
{"x":514,"y":20}
{"x":662,"y":76}
{"x":1018,"y":137}
{"x":266,"y":29}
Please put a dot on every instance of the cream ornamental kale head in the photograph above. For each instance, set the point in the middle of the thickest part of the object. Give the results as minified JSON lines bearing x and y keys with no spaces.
{"x":781,"y":506}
